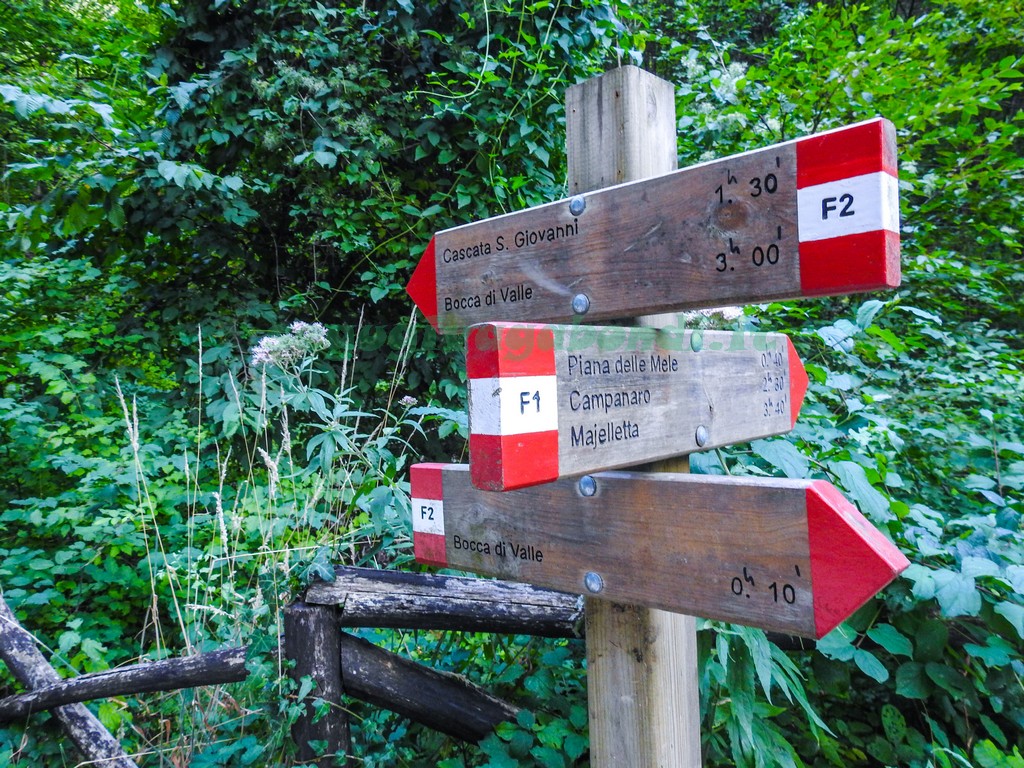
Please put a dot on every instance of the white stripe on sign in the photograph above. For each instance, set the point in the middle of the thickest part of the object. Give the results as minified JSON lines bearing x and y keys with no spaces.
{"x":849,"y":207}
{"x":513,"y":405}
{"x":428,"y":516}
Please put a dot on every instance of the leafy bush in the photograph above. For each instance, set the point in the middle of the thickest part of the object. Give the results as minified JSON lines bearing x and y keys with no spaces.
{"x":181,"y":181}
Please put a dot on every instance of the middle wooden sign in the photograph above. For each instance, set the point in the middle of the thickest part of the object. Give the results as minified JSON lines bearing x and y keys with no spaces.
{"x":550,"y":401}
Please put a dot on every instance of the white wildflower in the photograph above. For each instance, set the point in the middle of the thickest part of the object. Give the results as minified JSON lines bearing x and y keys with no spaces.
{"x":288,"y":350}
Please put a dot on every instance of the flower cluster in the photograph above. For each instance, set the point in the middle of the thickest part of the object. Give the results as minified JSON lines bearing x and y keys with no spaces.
{"x":302,"y":341}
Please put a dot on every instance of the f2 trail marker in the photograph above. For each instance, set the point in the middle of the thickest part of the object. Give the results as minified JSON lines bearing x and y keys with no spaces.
{"x":816,"y":216}
{"x":549,"y":401}
{"x":785,"y":555}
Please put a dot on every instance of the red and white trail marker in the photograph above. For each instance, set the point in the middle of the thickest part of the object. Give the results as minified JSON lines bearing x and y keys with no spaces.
{"x":550,"y":401}
{"x":785,"y":555}
{"x":816,"y":216}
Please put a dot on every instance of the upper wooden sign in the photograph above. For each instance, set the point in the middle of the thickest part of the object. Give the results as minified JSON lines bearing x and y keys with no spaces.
{"x":549,"y":401}
{"x":786,"y":555}
{"x":812,"y":217}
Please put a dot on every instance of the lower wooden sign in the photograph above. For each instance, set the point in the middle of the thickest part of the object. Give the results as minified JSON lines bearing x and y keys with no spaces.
{"x":791,"y":556}
{"x":549,"y":401}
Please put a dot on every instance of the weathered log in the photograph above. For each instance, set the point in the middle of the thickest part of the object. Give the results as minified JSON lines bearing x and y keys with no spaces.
{"x":311,"y":641}
{"x":440,"y":700}
{"x":443,"y":701}
{"x":395,"y":599}
{"x":214,"y":668}
{"x":30,"y":667}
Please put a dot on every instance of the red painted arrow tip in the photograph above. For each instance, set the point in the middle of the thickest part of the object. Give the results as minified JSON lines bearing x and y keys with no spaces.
{"x":797,"y":383}
{"x":851,"y":561}
{"x":422,"y":287}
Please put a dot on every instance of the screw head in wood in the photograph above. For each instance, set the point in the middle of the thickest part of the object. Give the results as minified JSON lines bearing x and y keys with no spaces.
{"x":580,"y":304}
{"x":702,"y":435}
{"x":593,"y":582}
{"x":577,"y":205}
{"x":587,"y":486}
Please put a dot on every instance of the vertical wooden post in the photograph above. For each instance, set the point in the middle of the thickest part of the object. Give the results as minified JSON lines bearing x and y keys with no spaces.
{"x":641,"y":663}
{"x":313,"y":641}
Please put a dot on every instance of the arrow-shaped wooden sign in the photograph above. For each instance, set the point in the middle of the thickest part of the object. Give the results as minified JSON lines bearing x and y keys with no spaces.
{"x":549,"y":401}
{"x":812,"y":217}
{"x":786,"y":555}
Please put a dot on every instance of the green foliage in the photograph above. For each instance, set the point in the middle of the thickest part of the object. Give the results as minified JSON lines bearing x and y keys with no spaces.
{"x":180,"y":182}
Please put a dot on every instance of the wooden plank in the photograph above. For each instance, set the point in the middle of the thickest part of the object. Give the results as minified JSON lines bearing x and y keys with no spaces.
{"x":441,"y":700}
{"x":444,"y":701}
{"x":368,"y":597}
{"x":790,"y":556}
{"x":811,"y":217}
{"x":214,"y":668}
{"x":549,"y":401}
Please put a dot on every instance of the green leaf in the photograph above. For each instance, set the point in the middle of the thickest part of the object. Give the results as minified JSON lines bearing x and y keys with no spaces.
{"x":956,"y":593}
{"x":868,"y":311}
{"x":325,"y":158}
{"x":854,"y":479}
{"x":1014,"y":614}
{"x":911,"y":681}
{"x":893,"y":723}
{"x":978,"y":566}
{"x":892,"y":640}
{"x":988,"y":755}
{"x":838,"y":644}
{"x":1015,"y":575}
{"x":869,"y":664}
{"x":548,"y":757}
{"x":784,"y":456}
{"x":945,"y":677}
{"x":995,"y":653}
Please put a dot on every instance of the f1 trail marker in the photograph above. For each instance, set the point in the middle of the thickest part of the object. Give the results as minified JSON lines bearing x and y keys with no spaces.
{"x":816,"y":216}
{"x":549,"y":401}
{"x":785,"y":555}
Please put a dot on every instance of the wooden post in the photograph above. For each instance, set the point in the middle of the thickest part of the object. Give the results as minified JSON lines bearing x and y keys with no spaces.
{"x":312,"y":641}
{"x":641,"y":663}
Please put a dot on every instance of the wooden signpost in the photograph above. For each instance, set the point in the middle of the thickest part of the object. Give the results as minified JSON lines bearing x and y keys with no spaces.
{"x":787,"y":555}
{"x":812,"y":217}
{"x":549,"y":401}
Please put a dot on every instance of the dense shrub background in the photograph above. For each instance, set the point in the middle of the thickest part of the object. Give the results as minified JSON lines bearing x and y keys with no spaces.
{"x":190,"y":184}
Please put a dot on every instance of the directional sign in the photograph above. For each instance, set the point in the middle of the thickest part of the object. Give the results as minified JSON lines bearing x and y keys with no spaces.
{"x":786,"y":555}
{"x":812,"y":217}
{"x":549,"y":401}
